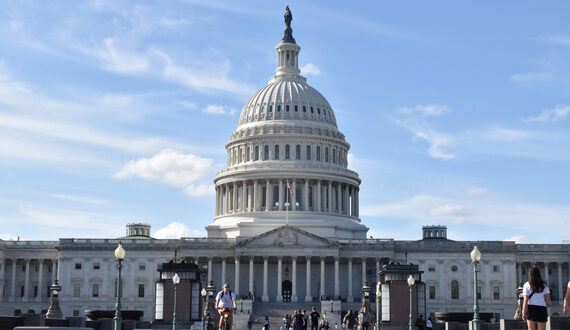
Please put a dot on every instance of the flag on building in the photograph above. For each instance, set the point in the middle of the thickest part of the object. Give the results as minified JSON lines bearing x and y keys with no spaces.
{"x":290,"y":190}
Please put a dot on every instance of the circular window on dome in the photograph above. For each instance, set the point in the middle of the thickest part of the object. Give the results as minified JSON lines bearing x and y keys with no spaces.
{"x":304,"y":109}
{"x":312,"y":111}
{"x":453,"y":268}
{"x":319,"y":111}
{"x":270,"y":108}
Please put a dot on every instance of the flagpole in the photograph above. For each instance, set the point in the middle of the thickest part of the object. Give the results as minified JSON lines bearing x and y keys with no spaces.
{"x":287,"y":205}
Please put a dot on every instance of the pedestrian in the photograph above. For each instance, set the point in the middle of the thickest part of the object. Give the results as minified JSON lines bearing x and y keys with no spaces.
{"x":349,"y":320}
{"x":420,"y":323}
{"x":266,"y":323}
{"x":314,"y":318}
{"x":536,"y":298}
{"x":364,"y":317}
{"x":298,"y":320}
{"x":250,"y":322}
{"x":429,"y":325}
{"x":286,"y":322}
{"x":306,"y":319}
{"x":566,"y":299}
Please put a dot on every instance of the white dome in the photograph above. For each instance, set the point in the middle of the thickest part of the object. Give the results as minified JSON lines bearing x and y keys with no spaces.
{"x":287,"y":99}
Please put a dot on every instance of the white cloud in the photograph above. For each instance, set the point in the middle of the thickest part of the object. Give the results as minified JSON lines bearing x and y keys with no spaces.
{"x":169,"y":167}
{"x":120,"y":61}
{"x":216,"y":109}
{"x":426,"y":110}
{"x":65,"y":218}
{"x":80,"y":199}
{"x":310,"y":69}
{"x":8,"y":237}
{"x":551,"y":115}
{"x":517,"y":238}
{"x":451,"y":210}
{"x":176,"y":230}
{"x":200,"y":190}
{"x":475,"y":191}
{"x":557,"y":39}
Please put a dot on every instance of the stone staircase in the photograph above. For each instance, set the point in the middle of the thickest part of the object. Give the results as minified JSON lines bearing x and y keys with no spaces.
{"x":276,"y":311}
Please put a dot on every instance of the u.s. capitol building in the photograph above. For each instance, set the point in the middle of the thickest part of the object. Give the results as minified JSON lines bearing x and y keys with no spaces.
{"x":286,"y":229}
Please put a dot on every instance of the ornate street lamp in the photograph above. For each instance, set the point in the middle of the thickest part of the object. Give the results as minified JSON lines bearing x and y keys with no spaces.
{"x":378,"y":302}
{"x":204,"y":294}
{"x":475,"y":257}
{"x":366,"y":292}
{"x":411,"y":282}
{"x":520,"y":300}
{"x":54,"y":312}
{"x":175,"y":280}
{"x":119,"y":255}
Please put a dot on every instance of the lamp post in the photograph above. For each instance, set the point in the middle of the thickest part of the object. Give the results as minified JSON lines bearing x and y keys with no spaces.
{"x":475,"y":257}
{"x":411,"y":282}
{"x":366,"y":292}
{"x":378,"y":302}
{"x":175,"y":280}
{"x":54,"y":312}
{"x":119,"y":255}
{"x":204,"y":294}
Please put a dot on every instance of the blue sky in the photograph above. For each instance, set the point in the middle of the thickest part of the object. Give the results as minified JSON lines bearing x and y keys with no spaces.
{"x":117,"y":111}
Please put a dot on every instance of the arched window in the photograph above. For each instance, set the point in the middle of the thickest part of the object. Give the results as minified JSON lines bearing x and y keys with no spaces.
{"x":319,"y":111}
{"x":304,"y":109}
{"x":298,"y":152}
{"x":312,"y":111}
{"x":275,"y":195}
{"x":279,"y":108}
{"x":287,"y":152}
{"x":334,"y":156}
{"x":308,"y":152}
{"x":287,"y":108}
{"x":247,"y":154}
{"x":327,"y":155}
{"x":276,"y":156}
{"x":318,"y":155}
{"x":266,"y":152}
{"x":239,"y":154}
{"x":270,"y":108}
{"x":454,"y":289}
{"x":296,"y":109}
{"x":256,"y":156}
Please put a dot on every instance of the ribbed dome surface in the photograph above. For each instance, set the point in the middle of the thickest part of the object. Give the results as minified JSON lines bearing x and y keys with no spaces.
{"x":287,"y":99}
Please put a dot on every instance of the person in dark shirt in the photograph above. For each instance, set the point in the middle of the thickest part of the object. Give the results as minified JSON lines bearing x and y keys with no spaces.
{"x":314,"y":318}
{"x":349,"y":320}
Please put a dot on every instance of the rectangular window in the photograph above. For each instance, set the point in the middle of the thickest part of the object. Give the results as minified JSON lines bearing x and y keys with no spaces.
{"x":76,"y":290}
{"x":496,"y":292}
{"x":159,"y":307}
{"x":141,"y":290}
{"x":22,"y":290}
{"x":431,"y":268}
{"x":75,"y":312}
{"x":431,"y":292}
{"x":495,"y":268}
{"x":23,"y":268}
{"x":35,"y":290}
{"x":142,"y":266}
{"x":96,"y":266}
{"x":77,"y":265}
{"x":95,"y":290}
{"x":308,"y":152}
{"x":256,"y":156}
{"x":318,"y":154}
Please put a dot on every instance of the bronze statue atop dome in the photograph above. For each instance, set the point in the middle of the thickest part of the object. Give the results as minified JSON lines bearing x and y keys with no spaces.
{"x":288,"y":33}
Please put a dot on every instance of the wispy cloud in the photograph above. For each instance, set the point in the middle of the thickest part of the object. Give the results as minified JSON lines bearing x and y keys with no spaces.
{"x":550,"y":115}
{"x":438,"y":142}
{"x":426,"y":110}
{"x":475,"y":191}
{"x":177,"y":230}
{"x":310,"y":69}
{"x":79,"y":199}
{"x":556,"y":39}
{"x":173,"y":168}
{"x":66,"y":218}
{"x":215,"y":109}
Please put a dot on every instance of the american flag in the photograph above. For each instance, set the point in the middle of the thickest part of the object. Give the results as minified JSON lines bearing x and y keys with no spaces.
{"x":290,"y":190}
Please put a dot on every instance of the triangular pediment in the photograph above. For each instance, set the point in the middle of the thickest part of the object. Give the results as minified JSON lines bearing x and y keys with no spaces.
{"x":287,"y":236}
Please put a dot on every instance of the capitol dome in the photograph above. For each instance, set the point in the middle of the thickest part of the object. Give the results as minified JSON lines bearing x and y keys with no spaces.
{"x":287,"y":161}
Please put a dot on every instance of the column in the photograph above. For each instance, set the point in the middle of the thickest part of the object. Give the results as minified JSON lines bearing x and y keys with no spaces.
{"x":294,"y":279}
{"x":363,"y":271}
{"x":294,"y":197}
{"x":210,"y":270}
{"x":518,"y":270}
{"x":279,"y":297}
{"x":377,"y":270}
{"x":243,"y":196}
{"x":336,"y":279}
{"x":281,"y":199}
{"x":308,"y":297}
{"x":40,"y":279}
{"x":251,"y":275}
{"x":346,"y":199}
{"x":338,"y":198}
{"x":234,"y":198}
{"x":329,"y":198}
{"x":318,"y":204}
{"x":350,"y":298}
{"x":561,"y":285}
{"x":236,"y":274}
{"x":268,"y":197}
{"x":27,"y":281}
{"x":255,"y":193}
{"x":322,"y":278}
{"x":265,"y":297}
{"x":217,"y":201}
{"x":223,"y":281}
{"x":356,"y":207}
{"x":546,"y":272}
{"x":13,"y":284}
{"x":306,"y":196}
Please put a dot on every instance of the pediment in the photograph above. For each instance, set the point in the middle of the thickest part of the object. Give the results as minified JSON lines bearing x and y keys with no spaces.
{"x":287,"y":236}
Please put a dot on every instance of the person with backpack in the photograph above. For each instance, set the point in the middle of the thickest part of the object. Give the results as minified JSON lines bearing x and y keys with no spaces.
{"x":536,"y":298}
{"x":314,"y":318}
{"x":298,"y":320}
{"x":226,"y":304}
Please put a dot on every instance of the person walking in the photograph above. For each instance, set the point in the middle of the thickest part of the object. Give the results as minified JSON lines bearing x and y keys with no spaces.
{"x":286,"y":322}
{"x":349,"y":320}
{"x":364,"y":317}
{"x":266,"y":323}
{"x":298,"y":320}
{"x":536,"y":298}
{"x":429,"y":325}
{"x":566,"y":299}
{"x":306,"y":319}
{"x":314,"y":318}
